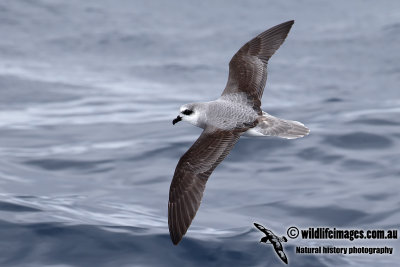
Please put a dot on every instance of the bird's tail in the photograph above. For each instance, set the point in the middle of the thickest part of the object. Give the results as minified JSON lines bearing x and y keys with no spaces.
{"x":283,"y":239}
{"x":272,"y":126}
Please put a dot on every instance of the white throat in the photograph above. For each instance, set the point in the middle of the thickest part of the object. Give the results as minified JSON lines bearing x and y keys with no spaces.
{"x":198,"y":117}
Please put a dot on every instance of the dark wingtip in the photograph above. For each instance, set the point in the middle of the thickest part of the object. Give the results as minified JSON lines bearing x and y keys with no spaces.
{"x":288,"y":24}
{"x":175,"y":239}
{"x":291,"y":22}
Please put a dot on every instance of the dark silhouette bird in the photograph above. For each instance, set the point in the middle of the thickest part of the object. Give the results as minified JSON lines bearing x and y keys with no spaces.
{"x":274,"y":240}
{"x":237,"y":111}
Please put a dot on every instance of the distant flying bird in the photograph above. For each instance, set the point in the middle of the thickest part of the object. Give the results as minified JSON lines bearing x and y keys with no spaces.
{"x":274,"y":240}
{"x":237,"y":111}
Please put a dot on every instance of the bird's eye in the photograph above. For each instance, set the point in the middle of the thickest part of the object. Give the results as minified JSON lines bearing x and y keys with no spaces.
{"x":187,"y":112}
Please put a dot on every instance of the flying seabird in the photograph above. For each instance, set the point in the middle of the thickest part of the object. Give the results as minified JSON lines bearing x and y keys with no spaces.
{"x":237,"y":111}
{"x":274,"y":240}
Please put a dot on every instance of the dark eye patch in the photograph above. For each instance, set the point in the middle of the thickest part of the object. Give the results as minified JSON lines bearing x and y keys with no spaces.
{"x":187,"y":112}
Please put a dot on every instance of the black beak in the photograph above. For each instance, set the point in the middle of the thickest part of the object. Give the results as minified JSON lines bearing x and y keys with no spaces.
{"x":177,"y":119}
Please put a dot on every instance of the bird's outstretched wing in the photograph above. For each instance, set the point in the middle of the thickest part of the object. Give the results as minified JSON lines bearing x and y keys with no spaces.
{"x":191,"y":175}
{"x":279,"y":250}
{"x":261,"y":228}
{"x":248,"y":67}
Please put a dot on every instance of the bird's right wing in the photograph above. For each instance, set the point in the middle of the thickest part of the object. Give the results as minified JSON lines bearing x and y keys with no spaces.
{"x":248,"y":67}
{"x":261,"y":228}
{"x":191,"y":175}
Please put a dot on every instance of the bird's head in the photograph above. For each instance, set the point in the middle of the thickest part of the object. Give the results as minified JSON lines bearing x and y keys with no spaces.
{"x":189,"y":113}
{"x":264,"y":239}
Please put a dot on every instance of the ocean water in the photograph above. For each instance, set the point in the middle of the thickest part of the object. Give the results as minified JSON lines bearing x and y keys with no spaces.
{"x":88,"y":90}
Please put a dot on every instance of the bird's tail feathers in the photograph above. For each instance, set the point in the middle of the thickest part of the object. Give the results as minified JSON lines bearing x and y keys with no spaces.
{"x":272,"y":126}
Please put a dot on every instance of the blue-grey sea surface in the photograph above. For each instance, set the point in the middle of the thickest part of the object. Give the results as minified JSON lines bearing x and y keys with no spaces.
{"x":88,"y":90}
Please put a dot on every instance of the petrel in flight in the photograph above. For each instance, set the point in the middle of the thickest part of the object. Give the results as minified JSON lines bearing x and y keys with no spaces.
{"x":274,"y":240}
{"x":237,"y":111}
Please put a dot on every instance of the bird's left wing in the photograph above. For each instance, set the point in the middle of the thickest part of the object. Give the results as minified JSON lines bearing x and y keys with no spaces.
{"x":191,"y":175}
{"x":279,"y":251}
